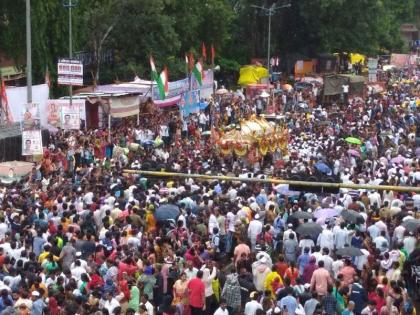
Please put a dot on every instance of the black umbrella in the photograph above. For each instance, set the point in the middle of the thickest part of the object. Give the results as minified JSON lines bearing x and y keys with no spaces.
{"x":166,"y":212}
{"x":349,"y":251}
{"x":411,"y":224}
{"x":310,"y":228}
{"x":302,"y":215}
{"x":352,"y":216}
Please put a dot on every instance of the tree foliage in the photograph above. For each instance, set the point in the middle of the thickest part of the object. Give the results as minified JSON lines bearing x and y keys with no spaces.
{"x":168,"y":29}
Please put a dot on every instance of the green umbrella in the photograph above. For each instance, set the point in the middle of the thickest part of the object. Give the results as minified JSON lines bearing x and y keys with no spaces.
{"x":353,"y":140}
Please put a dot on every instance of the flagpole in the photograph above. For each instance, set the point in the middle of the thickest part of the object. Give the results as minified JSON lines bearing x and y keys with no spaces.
{"x":2,"y":112}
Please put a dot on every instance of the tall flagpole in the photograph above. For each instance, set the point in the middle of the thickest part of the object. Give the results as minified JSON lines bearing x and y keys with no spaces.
{"x":28,"y":53}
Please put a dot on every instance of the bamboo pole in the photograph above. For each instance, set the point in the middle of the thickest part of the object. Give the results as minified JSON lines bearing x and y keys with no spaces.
{"x":273,"y":181}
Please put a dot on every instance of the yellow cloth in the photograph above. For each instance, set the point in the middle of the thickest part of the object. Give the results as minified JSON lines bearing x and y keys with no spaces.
{"x":150,"y":221}
{"x":251,"y":74}
{"x":355,"y":58}
{"x":44,"y":256}
{"x":269,"y":279}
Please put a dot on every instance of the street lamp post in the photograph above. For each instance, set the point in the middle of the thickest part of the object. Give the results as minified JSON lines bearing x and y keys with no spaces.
{"x":28,"y":53}
{"x":70,"y":5}
{"x":270,"y":12}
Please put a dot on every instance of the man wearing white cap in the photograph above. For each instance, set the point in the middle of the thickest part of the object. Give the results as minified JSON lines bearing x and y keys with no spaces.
{"x":288,"y":232}
{"x":38,"y":304}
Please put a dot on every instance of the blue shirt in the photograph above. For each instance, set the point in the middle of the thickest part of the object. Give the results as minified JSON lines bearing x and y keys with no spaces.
{"x":38,"y":307}
{"x":303,"y":260}
{"x":290,"y":303}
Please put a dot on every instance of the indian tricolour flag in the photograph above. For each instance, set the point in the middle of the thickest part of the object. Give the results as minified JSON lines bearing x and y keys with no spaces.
{"x":198,"y":72}
{"x":161,"y":80}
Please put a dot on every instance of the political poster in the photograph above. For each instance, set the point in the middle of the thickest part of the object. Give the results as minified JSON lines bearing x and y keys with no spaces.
{"x":190,"y":103}
{"x":31,"y":118}
{"x":54,"y":112}
{"x":31,"y":142}
{"x":70,"y":116}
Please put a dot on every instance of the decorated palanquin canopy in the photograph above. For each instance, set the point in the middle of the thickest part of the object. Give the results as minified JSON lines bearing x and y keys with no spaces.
{"x":253,"y":138}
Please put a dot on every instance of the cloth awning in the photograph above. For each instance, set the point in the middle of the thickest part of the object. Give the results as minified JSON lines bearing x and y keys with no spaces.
{"x":125,"y":106}
{"x":168,"y":102}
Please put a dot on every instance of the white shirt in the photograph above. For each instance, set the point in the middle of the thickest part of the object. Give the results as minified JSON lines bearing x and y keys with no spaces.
{"x":219,"y":311}
{"x":230,"y":218}
{"x":111,"y":305}
{"x":191,"y":274}
{"x":77,"y":272}
{"x":251,"y":307}
{"x":212,"y":223}
{"x":410,"y":243}
{"x":345,"y":88}
{"x":399,"y":233}
{"x":337,"y":265}
{"x":326,"y":239}
{"x":254,"y":228}
{"x":149,"y":308}
{"x":3,"y":230}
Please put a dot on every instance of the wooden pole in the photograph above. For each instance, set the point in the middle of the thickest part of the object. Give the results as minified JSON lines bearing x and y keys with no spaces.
{"x":274,"y":181}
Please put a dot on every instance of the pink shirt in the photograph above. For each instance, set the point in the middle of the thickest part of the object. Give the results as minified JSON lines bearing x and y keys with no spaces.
{"x":240,"y":249}
{"x":348,"y":273}
{"x":320,"y":280}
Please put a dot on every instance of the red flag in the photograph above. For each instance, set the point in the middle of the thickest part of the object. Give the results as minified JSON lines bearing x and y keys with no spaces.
{"x":4,"y":102}
{"x":203,"y":51}
{"x":191,"y":61}
{"x":213,"y":53}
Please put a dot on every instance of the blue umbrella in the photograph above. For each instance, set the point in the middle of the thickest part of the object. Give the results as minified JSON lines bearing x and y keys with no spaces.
{"x":166,"y":212}
{"x":323,"y":168}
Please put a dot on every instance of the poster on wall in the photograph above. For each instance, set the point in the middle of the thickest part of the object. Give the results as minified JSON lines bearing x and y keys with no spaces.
{"x":31,"y":118}
{"x":31,"y":142}
{"x":70,"y":116}
{"x":54,"y":113}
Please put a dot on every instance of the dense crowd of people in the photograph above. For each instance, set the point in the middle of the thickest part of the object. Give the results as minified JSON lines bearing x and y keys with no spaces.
{"x":80,"y":236}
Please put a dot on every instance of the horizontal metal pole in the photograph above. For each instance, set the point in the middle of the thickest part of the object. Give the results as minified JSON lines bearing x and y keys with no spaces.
{"x":274,"y":181}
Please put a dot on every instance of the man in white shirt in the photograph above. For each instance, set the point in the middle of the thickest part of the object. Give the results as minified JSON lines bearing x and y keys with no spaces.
{"x":410,"y":243}
{"x":328,"y":261}
{"x":230,"y":223}
{"x":222,"y":310}
{"x":399,"y":234}
{"x":110,"y":303}
{"x":149,"y":306}
{"x":213,"y":222}
{"x":190,"y":271}
{"x":326,"y":238}
{"x":252,"y":306}
{"x":381,"y":242}
{"x":254,"y":229}
{"x":341,"y":236}
{"x":288,"y":232}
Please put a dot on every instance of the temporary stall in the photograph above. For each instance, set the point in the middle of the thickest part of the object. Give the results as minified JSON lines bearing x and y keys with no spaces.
{"x":327,"y":63}
{"x":333,"y":84}
{"x":303,"y":67}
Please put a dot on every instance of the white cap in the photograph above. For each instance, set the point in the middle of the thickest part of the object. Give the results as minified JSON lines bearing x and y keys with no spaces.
{"x":35,"y":293}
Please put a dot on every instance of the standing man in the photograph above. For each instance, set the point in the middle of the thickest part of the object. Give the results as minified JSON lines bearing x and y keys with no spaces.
{"x":254,"y":229}
{"x":197,"y":297}
{"x":321,"y":279}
